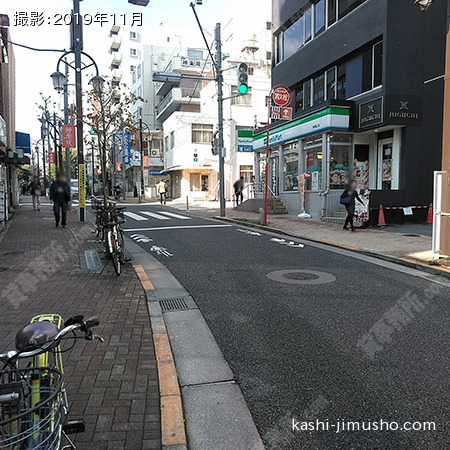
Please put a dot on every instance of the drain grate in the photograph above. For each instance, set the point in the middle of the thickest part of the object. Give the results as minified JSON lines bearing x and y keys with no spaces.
{"x":173,"y":304}
{"x":92,"y":260}
{"x":3,"y":269}
{"x":15,"y":253}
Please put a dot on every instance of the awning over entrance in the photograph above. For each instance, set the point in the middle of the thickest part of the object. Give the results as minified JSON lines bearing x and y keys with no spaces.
{"x":330,"y":118}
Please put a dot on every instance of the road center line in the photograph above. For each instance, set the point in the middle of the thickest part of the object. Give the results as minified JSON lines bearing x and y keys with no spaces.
{"x":181,"y":227}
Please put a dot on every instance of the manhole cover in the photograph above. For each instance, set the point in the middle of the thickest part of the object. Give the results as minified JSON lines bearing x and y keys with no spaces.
{"x":3,"y":269}
{"x":15,"y":253}
{"x":301,"y":277}
{"x":173,"y":304}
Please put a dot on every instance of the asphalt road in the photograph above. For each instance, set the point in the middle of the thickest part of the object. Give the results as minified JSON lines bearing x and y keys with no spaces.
{"x":296,"y":349}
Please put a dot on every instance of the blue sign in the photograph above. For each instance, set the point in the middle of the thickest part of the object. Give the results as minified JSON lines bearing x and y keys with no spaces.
{"x":158,"y":173}
{"x":23,"y":142}
{"x":127,"y":147}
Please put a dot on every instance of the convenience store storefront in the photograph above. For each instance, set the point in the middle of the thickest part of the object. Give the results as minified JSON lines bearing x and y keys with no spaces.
{"x":313,"y":145}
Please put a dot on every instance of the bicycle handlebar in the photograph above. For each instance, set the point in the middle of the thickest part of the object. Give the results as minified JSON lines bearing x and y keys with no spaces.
{"x":72,"y":324}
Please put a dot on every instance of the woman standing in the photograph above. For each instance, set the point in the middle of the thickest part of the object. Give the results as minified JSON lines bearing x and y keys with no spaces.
{"x":348,"y":198}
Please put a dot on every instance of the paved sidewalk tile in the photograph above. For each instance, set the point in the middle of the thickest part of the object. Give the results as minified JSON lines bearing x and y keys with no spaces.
{"x":112,"y":385}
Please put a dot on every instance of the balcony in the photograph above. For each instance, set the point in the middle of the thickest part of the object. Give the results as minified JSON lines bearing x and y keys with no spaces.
{"x":116,"y":59}
{"x":114,"y":31}
{"x":116,"y":75}
{"x":174,"y":101}
{"x":116,"y":42}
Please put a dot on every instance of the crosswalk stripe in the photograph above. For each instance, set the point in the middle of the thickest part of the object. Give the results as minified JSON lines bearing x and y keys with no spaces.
{"x":176,"y":216}
{"x":134,"y":216}
{"x":155,"y":216}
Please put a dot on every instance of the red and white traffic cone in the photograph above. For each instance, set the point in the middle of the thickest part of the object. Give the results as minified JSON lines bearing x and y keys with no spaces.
{"x":430,"y":214}
{"x":381,"y":220}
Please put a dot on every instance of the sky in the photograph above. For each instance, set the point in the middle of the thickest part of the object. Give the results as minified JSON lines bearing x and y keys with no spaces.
{"x":239,"y":19}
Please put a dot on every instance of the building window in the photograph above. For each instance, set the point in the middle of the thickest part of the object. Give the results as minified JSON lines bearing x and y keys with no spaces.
{"x":268,"y":56}
{"x":268,"y":26}
{"x":133,"y":77}
{"x":299,"y":100}
{"x":172,"y":140}
{"x":314,"y":21}
{"x":319,"y":89}
{"x":378,"y":64}
{"x":115,"y":66}
{"x":132,"y":69}
{"x":133,"y":52}
{"x":331,"y":83}
{"x":242,"y":100}
{"x":247,"y":173}
{"x":251,"y":71}
{"x":307,"y":94}
{"x":133,"y":35}
{"x":290,"y":171}
{"x":341,"y":82}
{"x":139,"y":71}
{"x":319,"y":17}
{"x":202,"y":133}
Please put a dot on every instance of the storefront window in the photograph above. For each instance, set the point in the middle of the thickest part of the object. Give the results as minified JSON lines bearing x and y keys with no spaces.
{"x":313,"y":163}
{"x":340,"y":152}
{"x":291,"y":171}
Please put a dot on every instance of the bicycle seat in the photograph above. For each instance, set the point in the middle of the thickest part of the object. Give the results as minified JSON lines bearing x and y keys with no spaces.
{"x":34,"y":334}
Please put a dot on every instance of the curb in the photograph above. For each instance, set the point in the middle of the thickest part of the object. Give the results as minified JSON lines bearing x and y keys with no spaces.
{"x":412,"y":264}
{"x":173,"y":432}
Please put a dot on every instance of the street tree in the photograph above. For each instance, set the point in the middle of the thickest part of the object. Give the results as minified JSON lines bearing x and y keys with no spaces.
{"x":110,"y":109}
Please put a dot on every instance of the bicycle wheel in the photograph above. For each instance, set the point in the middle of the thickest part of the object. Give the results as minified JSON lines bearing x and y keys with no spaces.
{"x":116,"y":252}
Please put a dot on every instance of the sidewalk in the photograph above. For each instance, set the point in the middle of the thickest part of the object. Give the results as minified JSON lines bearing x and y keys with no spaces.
{"x":400,"y":243}
{"x":113,"y":385}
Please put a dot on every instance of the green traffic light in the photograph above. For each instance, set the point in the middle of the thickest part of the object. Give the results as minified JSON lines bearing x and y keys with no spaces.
{"x":243,"y":89}
{"x":93,"y":132}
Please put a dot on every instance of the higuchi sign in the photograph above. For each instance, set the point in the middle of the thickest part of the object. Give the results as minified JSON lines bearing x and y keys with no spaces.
{"x":371,"y":113}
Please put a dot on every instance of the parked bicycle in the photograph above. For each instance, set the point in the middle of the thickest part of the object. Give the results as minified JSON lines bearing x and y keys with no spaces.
{"x":108,"y":224}
{"x":33,"y":399}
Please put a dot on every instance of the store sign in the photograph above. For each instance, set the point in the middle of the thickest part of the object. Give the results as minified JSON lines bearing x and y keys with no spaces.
{"x":245,"y":140}
{"x":118,"y":167}
{"x":403,"y":110}
{"x":52,"y":158}
{"x":332,"y":118}
{"x":158,"y":173}
{"x":136,"y":158}
{"x":371,"y":113}
{"x":127,"y":147}
{"x":146,"y":161}
{"x":69,"y":136}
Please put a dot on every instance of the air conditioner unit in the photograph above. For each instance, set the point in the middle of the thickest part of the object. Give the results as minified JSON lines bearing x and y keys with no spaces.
{"x":155,"y":152}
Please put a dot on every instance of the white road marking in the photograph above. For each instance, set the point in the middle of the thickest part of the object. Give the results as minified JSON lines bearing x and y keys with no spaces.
{"x":134,"y":216}
{"x":155,"y":216}
{"x":291,"y":244}
{"x":181,"y":227}
{"x":140,"y":238}
{"x":176,"y":216}
{"x":251,"y":233}
{"x":161,"y":251}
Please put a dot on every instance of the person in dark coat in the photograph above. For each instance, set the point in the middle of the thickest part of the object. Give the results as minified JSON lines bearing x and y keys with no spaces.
{"x":239,"y":190}
{"x":60,"y":194}
{"x":348,"y":199}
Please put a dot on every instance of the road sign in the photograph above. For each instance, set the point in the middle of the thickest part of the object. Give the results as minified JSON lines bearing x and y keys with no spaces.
{"x":281,"y":113}
{"x":286,"y":113}
{"x":136,"y":158}
{"x":281,"y":96}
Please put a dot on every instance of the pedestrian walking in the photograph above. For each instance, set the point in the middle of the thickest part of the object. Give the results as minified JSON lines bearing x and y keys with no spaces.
{"x":348,"y":199}
{"x":60,"y":194}
{"x":161,"y":190}
{"x":117,"y":191}
{"x":239,"y":190}
{"x":35,"y":189}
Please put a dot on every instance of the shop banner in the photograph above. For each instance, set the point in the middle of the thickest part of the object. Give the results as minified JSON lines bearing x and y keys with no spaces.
{"x":69,"y":136}
{"x":146,"y":161}
{"x":245,"y":140}
{"x":118,"y":167}
{"x":362,"y":211}
{"x":51,"y":157}
{"x":82,"y":185}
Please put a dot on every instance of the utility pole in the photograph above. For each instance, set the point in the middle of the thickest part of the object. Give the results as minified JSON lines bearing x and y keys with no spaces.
{"x":43,"y":159}
{"x":77,"y":47}
{"x":142,"y":160}
{"x":217,"y":34}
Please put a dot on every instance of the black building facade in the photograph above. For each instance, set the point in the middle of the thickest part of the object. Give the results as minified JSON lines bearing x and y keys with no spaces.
{"x":367,"y":81}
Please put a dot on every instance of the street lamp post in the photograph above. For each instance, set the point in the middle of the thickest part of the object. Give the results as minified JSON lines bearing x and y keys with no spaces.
{"x":141,"y":150}
{"x":59,"y":80}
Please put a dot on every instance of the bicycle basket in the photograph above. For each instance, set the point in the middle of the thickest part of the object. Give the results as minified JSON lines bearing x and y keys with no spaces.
{"x":31,"y":407}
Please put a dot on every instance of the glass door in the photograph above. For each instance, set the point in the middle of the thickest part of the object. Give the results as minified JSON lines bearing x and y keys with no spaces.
{"x":385,"y":164}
